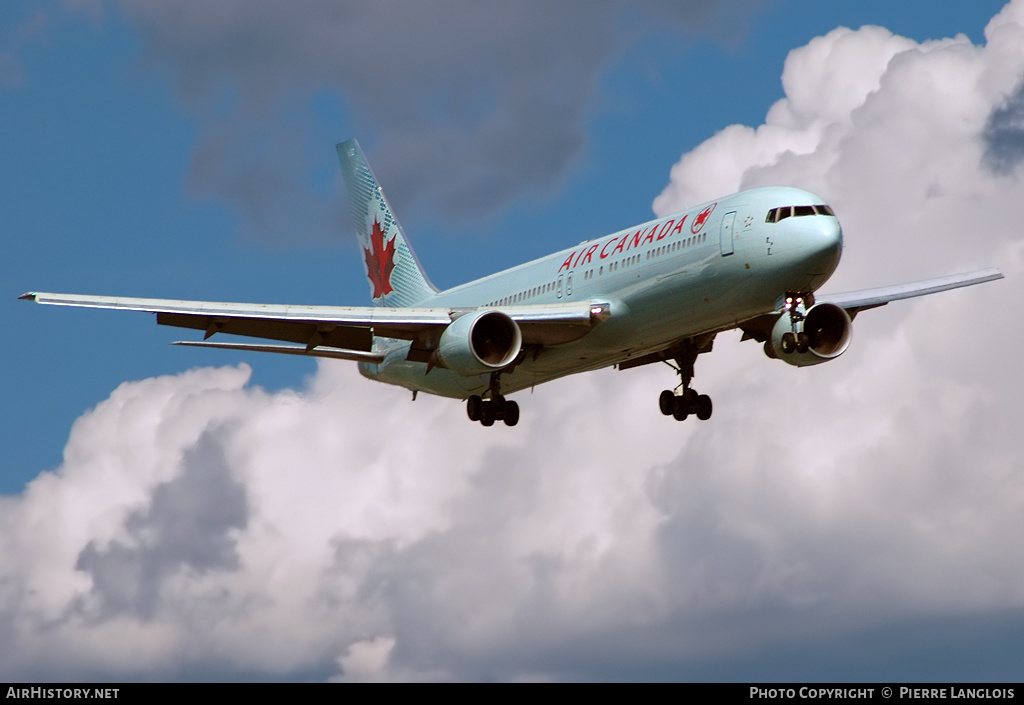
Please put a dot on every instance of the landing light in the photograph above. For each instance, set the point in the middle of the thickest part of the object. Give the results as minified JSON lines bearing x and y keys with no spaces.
{"x":600,"y":312}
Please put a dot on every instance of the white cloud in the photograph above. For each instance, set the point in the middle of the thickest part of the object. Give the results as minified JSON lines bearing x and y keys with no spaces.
{"x":199,"y":525}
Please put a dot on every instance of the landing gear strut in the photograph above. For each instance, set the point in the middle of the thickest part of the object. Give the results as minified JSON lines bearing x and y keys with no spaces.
{"x":684,"y":401}
{"x":494,"y":408}
{"x":796,"y":306}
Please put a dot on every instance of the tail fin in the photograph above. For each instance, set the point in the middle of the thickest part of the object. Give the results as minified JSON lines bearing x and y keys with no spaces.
{"x":395,"y":275}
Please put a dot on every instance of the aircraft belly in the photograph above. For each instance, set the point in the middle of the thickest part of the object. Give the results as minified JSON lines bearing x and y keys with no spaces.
{"x":395,"y":369}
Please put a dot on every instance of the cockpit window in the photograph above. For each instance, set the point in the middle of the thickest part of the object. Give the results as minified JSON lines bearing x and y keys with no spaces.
{"x":776,"y":215}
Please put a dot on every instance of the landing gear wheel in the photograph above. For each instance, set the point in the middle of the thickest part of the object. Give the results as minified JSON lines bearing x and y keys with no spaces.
{"x":788,"y":343}
{"x":803,"y":342}
{"x":681,"y":409}
{"x":473,"y":407}
{"x":667,"y":402}
{"x":688,"y":402}
{"x":511,"y":413}
{"x":703,"y":407}
{"x":487,"y":414}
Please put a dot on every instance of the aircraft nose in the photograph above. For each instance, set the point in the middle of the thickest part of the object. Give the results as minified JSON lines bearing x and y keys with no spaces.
{"x":826,"y":246}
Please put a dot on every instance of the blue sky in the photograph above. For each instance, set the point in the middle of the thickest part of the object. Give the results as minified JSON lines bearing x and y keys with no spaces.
{"x":190,"y":155}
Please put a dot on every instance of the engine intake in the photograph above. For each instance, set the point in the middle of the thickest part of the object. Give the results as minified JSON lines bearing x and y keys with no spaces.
{"x":479,"y":342}
{"x":828,"y":331}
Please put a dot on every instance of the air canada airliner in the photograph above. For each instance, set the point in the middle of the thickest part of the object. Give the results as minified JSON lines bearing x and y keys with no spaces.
{"x":656,"y":292}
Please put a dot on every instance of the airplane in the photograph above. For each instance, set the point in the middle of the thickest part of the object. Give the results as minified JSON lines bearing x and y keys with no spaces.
{"x":657,"y":292}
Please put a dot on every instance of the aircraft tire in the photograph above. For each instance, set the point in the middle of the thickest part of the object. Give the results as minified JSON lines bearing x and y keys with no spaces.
{"x":667,"y":402}
{"x":487,"y":414}
{"x":473,"y":407}
{"x":788,"y":343}
{"x":511,"y":413}
{"x":681,"y":409}
{"x":704,"y":407}
{"x":803,"y":342}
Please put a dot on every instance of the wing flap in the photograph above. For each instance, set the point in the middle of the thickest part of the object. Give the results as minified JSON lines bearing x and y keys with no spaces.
{"x":305,"y":332}
{"x":354,"y":355}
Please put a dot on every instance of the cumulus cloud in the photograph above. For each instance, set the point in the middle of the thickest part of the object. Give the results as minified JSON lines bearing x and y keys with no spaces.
{"x":467,"y":105}
{"x":202,"y":525}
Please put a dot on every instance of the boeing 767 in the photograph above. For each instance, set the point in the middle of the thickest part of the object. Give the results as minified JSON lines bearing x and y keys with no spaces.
{"x":657,"y":292}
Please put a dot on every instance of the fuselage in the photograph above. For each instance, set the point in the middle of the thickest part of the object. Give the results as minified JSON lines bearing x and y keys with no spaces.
{"x":694,"y":272}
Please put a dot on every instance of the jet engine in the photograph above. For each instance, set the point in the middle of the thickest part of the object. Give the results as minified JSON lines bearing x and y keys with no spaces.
{"x":479,"y":342}
{"x":819,"y":335}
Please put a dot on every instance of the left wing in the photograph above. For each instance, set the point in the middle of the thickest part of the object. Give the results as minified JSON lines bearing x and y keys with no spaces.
{"x":344,"y":332}
{"x":854,"y":302}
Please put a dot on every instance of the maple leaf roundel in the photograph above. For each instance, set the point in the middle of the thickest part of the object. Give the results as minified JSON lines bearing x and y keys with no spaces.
{"x":380,"y":261}
{"x":701,"y":219}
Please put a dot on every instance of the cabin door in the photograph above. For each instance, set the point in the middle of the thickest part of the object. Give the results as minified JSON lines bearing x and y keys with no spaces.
{"x":728,"y":221}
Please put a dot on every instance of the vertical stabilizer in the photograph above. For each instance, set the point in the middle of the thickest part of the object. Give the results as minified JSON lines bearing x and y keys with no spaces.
{"x":395,"y":275}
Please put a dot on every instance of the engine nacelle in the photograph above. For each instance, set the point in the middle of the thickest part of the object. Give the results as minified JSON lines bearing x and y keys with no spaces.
{"x":479,"y":342}
{"x":828,"y":328}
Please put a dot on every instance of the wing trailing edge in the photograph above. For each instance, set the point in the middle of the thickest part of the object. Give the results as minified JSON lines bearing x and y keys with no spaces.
{"x":334,"y":353}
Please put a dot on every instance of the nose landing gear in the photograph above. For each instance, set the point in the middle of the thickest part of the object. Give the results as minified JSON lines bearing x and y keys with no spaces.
{"x":796,"y":306}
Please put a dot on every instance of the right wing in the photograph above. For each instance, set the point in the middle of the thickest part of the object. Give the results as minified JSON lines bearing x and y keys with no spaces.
{"x":344,"y":332}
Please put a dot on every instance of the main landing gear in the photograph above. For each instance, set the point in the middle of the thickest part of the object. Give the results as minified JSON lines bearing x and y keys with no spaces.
{"x":494,"y":408}
{"x":684,"y":401}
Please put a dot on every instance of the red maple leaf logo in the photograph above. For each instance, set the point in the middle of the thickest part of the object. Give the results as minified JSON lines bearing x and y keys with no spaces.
{"x":380,"y":261}
{"x":701,"y":219}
